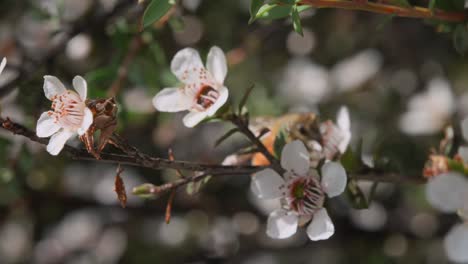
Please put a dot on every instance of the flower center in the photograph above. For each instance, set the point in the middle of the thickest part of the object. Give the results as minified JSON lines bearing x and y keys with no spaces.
{"x":67,"y":109}
{"x":304,"y":195}
{"x":206,"y":97}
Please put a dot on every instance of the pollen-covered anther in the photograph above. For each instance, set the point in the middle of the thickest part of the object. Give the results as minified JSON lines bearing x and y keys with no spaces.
{"x":304,"y":195}
{"x":206,"y":97}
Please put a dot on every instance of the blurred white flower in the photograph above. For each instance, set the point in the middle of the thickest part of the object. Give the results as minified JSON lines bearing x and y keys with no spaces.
{"x":429,"y":111}
{"x":463,"y":150}
{"x":336,"y":138}
{"x":353,"y":72}
{"x":304,"y":82}
{"x":456,"y":243}
{"x":301,"y":193}
{"x":69,"y":115}
{"x":2,"y":65}
{"x":203,"y":91}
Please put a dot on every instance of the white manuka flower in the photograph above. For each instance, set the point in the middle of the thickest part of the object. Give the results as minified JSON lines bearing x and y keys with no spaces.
{"x":202,"y":91}
{"x":2,"y":65}
{"x":302,"y":194}
{"x":69,"y":115}
{"x":336,"y":138}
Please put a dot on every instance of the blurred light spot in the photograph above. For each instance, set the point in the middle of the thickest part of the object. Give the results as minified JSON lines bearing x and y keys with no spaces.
{"x":79,"y":47}
{"x":424,"y":225}
{"x":108,"y":4}
{"x":111,"y":245}
{"x":138,"y":100}
{"x":371,"y":219}
{"x":72,"y":9}
{"x":395,"y":245}
{"x":222,"y":238}
{"x":37,"y":180}
{"x":261,"y":259}
{"x":456,"y":243}
{"x":191,"y":33}
{"x":14,"y":242}
{"x":199,"y":222}
{"x":301,"y":45}
{"x":428,"y":111}
{"x":245,"y":223}
{"x":304,"y":82}
{"x":353,"y":72}
{"x":85,"y":226}
{"x":191,"y":5}
{"x":174,"y":233}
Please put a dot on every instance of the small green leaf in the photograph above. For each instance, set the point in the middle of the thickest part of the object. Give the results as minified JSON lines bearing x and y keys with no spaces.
{"x":296,"y":21}
{"x":245,"y":97}
{"x":275,"y":11}
{"x":460,"y":39}
{"x":280,"y":141}
{"x":226,"y":136}
{"x":194,"y":187}
{"x":356,"y":195}
{"x":254,"y":7}
{"x":155,"y":10}
{"x":432,"y":4}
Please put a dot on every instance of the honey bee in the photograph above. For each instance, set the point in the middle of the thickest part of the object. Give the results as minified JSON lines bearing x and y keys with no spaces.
{"x":324,"y":140}
{"x":300,"y":126}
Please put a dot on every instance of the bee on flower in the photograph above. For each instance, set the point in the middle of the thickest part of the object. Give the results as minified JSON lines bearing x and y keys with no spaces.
{"x":69,"y":115}
{"x":202,"y":91}
{"x":302,"y":193}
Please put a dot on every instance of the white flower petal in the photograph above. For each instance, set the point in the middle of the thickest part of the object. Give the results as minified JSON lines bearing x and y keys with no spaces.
{"x":223,"y":96}
{"x":266,"y":184}
{"x":456,"y":243}
{"x":3,"y":64}
{"x":172,"y":100}
{"x":216,"y":64}
{"x":57,"y":141}
{"x":52,"y":86}
{"x":464,"y":127}
{"x":193,"y":118}
{"x":344,"y":123}
{"x":447,"y":192}
{"x":321,"y":227}
{"x":334,"y":178}
{"x":295,"y":157}
{"x":281,"y":225}
{"x":463,"y":152}
{"x":80,"y":85}
{"x":87,"y":121}
{"x":46,"y":126}
{"x":186,"y":65}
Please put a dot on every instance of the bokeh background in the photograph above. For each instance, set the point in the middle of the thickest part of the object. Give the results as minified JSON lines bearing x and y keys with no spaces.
{"x":401,"y":78}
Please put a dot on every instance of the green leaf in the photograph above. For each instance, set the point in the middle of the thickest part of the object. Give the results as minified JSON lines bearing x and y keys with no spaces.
{"x":226,"y":136}
{"x":155,"y":10}
{"x":275,"y":11}
{"x":460,"y":39}
{"x":296,"y":21}
{"x":194,"y":187}
{"x":280,"y":141}
{"x":245,"y":97}
{"x":254,"y":7}
{"x":356,"y":195}
{"x":432,"y":4}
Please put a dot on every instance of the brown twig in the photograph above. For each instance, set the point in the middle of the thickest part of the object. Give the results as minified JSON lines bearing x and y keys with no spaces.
{"x":413,"y":11}
{"x":243,"y":127}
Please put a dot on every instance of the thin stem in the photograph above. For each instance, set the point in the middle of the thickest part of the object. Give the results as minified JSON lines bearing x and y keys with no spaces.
{"x":243,"y":127}
{"x":413,"y":11}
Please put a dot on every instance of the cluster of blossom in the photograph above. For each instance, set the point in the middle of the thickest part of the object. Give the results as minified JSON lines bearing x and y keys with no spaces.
{"x":447,"y":191}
